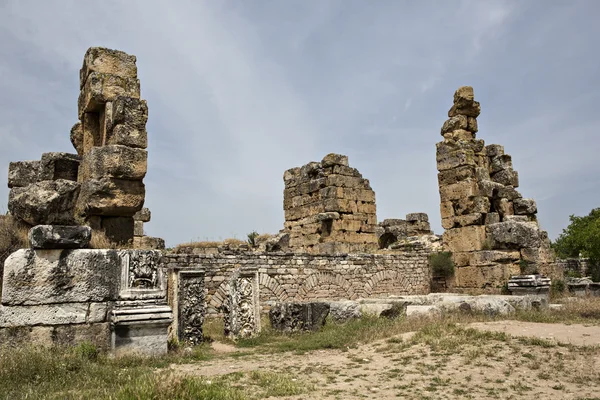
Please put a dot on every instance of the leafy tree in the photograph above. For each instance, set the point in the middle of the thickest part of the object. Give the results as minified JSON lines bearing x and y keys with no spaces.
{"x":582,"y":236}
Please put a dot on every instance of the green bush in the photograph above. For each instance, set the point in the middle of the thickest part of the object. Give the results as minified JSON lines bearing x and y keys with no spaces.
{"x":557,"y":287}
{"x":441,"y":264}
{"x":252,"y":238}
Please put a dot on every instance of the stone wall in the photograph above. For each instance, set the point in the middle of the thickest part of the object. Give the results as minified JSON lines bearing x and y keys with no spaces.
{"x":491,"y":229}
{"x":329,"y":208}
{"x":302,"y":277}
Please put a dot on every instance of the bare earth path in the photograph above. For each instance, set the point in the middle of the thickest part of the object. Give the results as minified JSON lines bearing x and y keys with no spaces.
{"x":446,"y":367}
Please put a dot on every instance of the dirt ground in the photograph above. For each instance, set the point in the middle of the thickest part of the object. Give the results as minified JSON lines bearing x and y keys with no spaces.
{"x":563,"y":365}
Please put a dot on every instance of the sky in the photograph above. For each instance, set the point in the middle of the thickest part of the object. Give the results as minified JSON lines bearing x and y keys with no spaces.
{"x":240,"y":91}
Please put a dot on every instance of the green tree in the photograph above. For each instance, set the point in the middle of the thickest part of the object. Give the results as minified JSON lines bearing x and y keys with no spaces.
{"x":582,"y":236}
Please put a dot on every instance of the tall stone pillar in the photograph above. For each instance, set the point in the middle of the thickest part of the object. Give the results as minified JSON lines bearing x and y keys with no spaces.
{"x":490,"y":229}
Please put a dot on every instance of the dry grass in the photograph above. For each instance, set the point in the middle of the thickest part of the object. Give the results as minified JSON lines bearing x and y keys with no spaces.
{"x":101,"y":241}
{"x":184,"y":247}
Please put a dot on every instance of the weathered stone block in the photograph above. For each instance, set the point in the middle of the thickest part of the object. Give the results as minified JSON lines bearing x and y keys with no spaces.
{"x":494,"y":150}
{"x":460,"y":190}
{"x":504,"y":207}
{"x":101,"y":88}
{"x":492,"y":218}
{"x":333,"y":159}
{"x":417,"y":217}
{"x":60,"y":236}
{"x":468,"y":238}
{"x":500,"y":163}
{"x":45,"y":203}
{"x":241,"y":308}
{"x":446,"y":209}
{"x":290,"y":317}
{"x":55,"y":166}
{"x":489,"y":188}
{"x":455,"y":175}
{"x":472,"y":205}
{"x":23,"y":173}
{"x":507,"y":178}
{"x":51,"y":314}
{"x":472,"y":124}
{"x":512,"y":234}
{"x":34,"y":277}
{"x":465,"y":105}
{"x":128,"y":136}
{"x":482,"y":277}
{"x":148,"y":243}
{"x":454,"y":123}
{"x":144,"y":215}
{"x":455,"y":159}
{"x":90,"y":126}
{"x":107,"y":61}
{"x":509,"y":193}
{"x":76,"y":137}
{"x":518,"y":218}
{"x":525,"y":206}
{"x":115,"y":161}
{"x":491,"y":257}
{"x":138,"y":228}
{"x":459,"y":134}
{"x":111,"y":197}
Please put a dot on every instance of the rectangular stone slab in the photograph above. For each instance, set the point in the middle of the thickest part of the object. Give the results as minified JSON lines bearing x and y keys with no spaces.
{"x":34,"y":277}
{"x":52,"y":314}
{"x":23,"y":173}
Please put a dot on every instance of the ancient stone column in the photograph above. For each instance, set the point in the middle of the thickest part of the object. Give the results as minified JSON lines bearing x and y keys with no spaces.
{"x":490,"y":229}
{"x":111,"y":138}
{"x":329,"y":208}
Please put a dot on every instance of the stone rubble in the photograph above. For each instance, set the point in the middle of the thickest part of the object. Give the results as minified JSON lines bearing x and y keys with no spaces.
{"x":490,"y":229}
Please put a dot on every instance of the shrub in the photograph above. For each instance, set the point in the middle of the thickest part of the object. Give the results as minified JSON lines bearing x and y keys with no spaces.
{"x":557,"y":287}
{"x":441,"y":264}
{"x":252,"y":238}
{"x":13,"y":236}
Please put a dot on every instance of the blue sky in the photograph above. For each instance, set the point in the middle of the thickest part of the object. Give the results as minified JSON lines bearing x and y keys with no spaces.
{"x":239,"y":91}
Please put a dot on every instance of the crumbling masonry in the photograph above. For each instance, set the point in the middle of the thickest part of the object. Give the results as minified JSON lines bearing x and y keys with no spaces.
{"x":102,"y":185}
{"x":491,"y":230}
{"x":329,"y":207}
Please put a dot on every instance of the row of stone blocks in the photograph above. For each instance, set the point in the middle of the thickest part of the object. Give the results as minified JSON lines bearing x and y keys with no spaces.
{"x":59,"y":289}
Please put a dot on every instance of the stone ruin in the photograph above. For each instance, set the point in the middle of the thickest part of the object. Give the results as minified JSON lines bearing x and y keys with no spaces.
{"x":329,"y":207}
{"x":102,"y":185}
{"x":491,"y":230}
{"x":331,"y":259}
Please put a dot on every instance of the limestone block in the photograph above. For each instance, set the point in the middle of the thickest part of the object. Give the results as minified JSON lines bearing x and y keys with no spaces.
{"x":144,"y":215}
{"x":482,"y":277}
{"x":461,"y":259}
{"x":114,"y":161}
{"x":507,"y":178}
{"x":459,"y":134}
{"x":60,"y":236}
{"x":345,"y":181}
{"x":489,"y":188}
{"x":464,"y":104}
{"x":76,"y":137}
{"x":509,"y":193}
{"x":456,"y":191}
{"x":55,"y":166}
{"x":46,"y":202}
{"x":525,"y":206}
{"x":290,"y":176}
{"x":140,"y":330}
{"x":468,"y":219}
{"x":34,"y":277}
{"x":149,"y":243}
{"x":494,"y":150}
{"x":491,"y":257}
{"x":417,"y":217}
{"x":23,"y":173}
{"x":457,"y":174}
{"x":500,"y":163}
{"x":290,"y":317}
{"x":110,"y":197}
{"x":468,"y":238}
{"x":504,"y":207}
{"x":342,"y":311}
{"x":138,"y":228}
{"x":97,"y":334}
{"x":90,"y":126}
{"x":50,"y":314}
{"x":127,"y":135}
{"x":347,"y":171}
{"x":454,"y":123}
{"x":472,"y":205}
{"x":446,"y":209}
{"x":512,"y":234}
{"x":130,"y":111}
{"x":455,"y":159}
{"x":482,"y":173}
{"x":492,"y":218}
{"x":100,"y":88}
{"x":118,"y":229}
{"x":518,"y":218}
{"x":363,"y":207}
{"x":107,"y":61}
{"x":472,"y":124}
{"x":531,"y":255}
{"x":417,"y":228}
{"x":333,"y":159}
{"x":448,"y":223}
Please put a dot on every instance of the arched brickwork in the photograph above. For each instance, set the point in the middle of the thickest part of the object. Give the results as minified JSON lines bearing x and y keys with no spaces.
{"x":336,"y":287}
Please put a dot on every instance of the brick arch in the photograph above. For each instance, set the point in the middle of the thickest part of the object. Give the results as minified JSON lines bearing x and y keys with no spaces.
{"x":219,"y":296}
{"x":381,"y":276}
{"x":269,"y":283}
{"x":321,"y":278}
